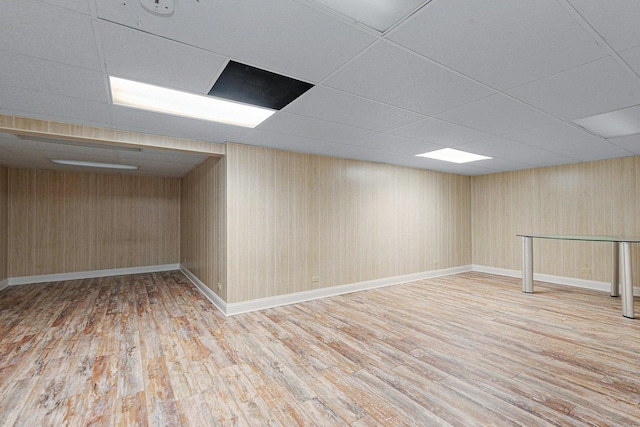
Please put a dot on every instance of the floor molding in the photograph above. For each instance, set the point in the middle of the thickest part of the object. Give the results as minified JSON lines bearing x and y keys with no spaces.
{"x":297,"y":297}
{"x":27,"y":280}
{"x":559,"y":280}
{"x":232,"y":309}
{"x":208,"y":293}
{"x":4,"y":283}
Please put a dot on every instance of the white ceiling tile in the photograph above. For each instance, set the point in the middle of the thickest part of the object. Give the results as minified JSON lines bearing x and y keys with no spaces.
{"x":615,"y":20}
{"x":38,"y":29}
{"x":179,"y":127}
{"x":504,"y":149}
{"x":24,"y":101}
{"x":630,"y":143}
{"x":366,"y":154}
{"x":592,"y":151}
{"x":497,"y":164}
{"x":139,"y":56}
{"x":632,"y":58}
{"x":283,"y":36}
{"x":81,"y":6}
{"x":289,"y":142}
{"x":502,"y":43}
{"x":396,"y":144}
{"x":47,"y":76}
{"x":391,"y":75}
{"x":293,"y":124}
{"x":540,"y":158}
{"x":497,"y":115}
{"x":335,"y":106}
{"x":495,"y":147}
{"x":439,"y":132}
{"x":553,"y":136}
{"x":17,"y":152}
{"x":598,"y":87}
{"x":441,"y":166}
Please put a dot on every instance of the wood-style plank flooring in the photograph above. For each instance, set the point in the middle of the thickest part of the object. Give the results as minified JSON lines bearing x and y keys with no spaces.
{"x":463,"y":350}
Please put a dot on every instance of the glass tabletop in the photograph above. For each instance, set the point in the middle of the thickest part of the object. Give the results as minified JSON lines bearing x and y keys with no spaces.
{"x":586,"y":238}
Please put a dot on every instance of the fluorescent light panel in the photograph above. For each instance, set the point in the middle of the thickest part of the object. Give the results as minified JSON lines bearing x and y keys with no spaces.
{"x":614,"y":123}
{"x":78,"y":143}
{"x":377,"y":14}
{"x":169,"y":101}
{"x":94,"y":164}
{"x":454,"y":156}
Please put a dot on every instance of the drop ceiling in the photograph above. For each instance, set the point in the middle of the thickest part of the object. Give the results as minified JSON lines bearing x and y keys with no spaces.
{"x":501,"y":78}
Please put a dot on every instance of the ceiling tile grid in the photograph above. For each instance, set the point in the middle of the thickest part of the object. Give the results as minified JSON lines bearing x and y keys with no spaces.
{"x":497,"y":115}
{"x":397,"y":77}
{"x":293,"y":124}
{"x":502,"y":43}
{"x":615,"y":20}
{"x":289,"y":142}
{"x":143,"y":57}
{"x":283,"y":36}
{"x":502,"y":77}
{"x":38,"y":29}
{"x":42,"y":75}
{"x":594,"y":88}
{"x":339,"y":107}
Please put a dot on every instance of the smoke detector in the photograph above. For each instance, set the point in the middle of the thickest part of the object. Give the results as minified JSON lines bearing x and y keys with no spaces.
{"x":158,"y":7}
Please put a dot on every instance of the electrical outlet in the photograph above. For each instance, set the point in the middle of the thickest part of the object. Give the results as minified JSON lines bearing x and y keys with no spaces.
{"x":315,"y":279}
{"x":436,"y":262}
{"x":219,"y":286}
{"x":586,"y":271}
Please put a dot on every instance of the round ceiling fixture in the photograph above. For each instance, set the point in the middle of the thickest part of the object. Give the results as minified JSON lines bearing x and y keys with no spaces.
{"x":158,"y":7}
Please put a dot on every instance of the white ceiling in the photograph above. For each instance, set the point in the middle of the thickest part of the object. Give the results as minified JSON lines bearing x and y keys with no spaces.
{"x":37,"y":154}
{"x":502,"y":78}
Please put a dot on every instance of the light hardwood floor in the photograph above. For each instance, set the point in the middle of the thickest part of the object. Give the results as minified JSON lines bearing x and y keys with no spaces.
{"x":465,"y":350}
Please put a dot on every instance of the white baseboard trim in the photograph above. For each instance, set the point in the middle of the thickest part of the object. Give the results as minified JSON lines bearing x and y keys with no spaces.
{"x":4,"y":283}
{"x":208,"y":293}
{"x":559,"y":280}
{"x":27,"y":280}
{"x":297,"y":297}
{"x":233,"y":309}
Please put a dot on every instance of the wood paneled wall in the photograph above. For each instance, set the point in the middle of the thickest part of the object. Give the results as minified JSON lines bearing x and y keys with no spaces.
{"x":601,"y":197}
{"x":203,"y":225}
{"x":293,"y":216}
{"x":67,"y":222}
{"x":4,"y":223}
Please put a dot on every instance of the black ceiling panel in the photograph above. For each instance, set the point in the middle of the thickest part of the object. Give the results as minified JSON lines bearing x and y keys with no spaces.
{"x":250,"y":85}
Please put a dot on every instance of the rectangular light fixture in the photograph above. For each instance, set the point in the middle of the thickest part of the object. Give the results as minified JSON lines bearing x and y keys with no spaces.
{"x":94,"y":164}
{"x":614,"y":123}
{"x":79,"y":143}
{"x":454,"y":156}
{"x":169,"y":101}
{"x":380,"y":15}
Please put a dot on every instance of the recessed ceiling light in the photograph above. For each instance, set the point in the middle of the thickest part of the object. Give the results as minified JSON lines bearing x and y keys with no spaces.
{"x":377,"y":14}
{"x":614,"y":123}
{"x":454,"y":156}
{"x":163,"y":100}
{"x":94,"y":164}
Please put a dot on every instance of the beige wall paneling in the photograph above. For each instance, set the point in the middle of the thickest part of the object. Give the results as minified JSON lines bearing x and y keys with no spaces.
{"x":22,"y":211}
{"x":203,"y":224}
{"x":586,"y":198}
{"x":62,"y":222}
{"x":294,"y":216}
{"x":4,"y":222}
